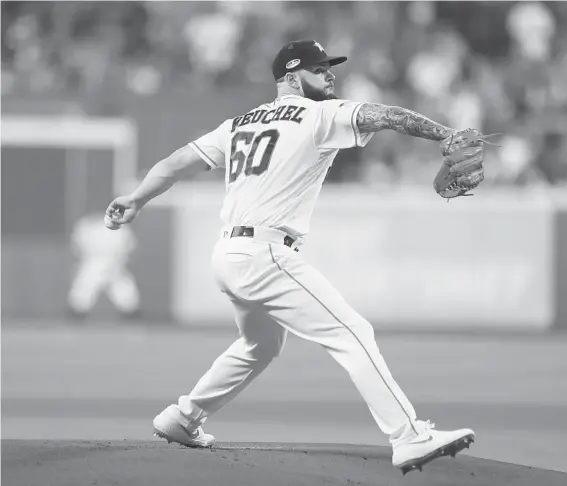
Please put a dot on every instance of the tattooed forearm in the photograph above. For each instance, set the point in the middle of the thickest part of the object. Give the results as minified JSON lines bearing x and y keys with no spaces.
{"x":373,"y":117}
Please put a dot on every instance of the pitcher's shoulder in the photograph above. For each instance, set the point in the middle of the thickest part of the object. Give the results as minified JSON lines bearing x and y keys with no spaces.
{"x":338,"y":103}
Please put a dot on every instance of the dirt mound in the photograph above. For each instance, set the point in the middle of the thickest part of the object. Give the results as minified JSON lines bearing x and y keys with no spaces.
{"x":136,"y":463}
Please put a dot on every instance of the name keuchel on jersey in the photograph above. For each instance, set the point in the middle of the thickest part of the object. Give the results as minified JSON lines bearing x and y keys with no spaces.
{"x":283,"y":113}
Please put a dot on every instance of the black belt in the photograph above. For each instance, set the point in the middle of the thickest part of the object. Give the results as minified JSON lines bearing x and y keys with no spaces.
{"x":249,"y":231}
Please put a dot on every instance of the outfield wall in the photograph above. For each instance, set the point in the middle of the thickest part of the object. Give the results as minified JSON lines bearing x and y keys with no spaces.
{"x":37,"y":271}
{"x":497,"y":261}
{"x":402,"y":260}
{"x":559,"y":199}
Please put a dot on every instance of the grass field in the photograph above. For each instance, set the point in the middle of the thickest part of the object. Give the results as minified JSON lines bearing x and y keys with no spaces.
{"x":108,"y":382}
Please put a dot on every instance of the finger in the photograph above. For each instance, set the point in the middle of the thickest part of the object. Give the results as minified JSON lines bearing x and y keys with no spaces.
{"x":115,"y":210}
{"x":111,"y":223}
{"x":111,"y":213}
{"x":111,"y":209}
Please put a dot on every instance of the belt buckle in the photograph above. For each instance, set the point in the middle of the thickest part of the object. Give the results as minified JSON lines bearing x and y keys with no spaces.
{"x":247,"y":231}
{"x":242,"y":231}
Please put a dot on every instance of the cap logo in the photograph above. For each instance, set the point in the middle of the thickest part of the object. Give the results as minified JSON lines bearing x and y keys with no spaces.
{"x":291,"y":64}
{"x":319,"y":46}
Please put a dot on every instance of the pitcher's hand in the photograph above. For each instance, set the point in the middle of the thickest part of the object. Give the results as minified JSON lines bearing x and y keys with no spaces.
{"x":120,"y":211}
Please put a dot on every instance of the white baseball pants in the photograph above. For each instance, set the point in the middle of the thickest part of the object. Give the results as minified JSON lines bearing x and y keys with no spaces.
{"x":273,"y":290}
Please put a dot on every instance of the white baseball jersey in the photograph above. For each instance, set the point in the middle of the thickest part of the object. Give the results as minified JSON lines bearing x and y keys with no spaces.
{"x":276,"y":158}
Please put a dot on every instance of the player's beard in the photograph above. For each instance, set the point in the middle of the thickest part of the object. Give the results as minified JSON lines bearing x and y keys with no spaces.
{"x":316,"y":94}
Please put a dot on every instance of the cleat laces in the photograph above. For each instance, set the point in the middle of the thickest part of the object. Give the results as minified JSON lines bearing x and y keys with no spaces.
{"x":426,"y":425}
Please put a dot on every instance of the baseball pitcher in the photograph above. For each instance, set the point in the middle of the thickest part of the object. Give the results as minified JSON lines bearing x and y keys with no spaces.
{"x":275,"y":158}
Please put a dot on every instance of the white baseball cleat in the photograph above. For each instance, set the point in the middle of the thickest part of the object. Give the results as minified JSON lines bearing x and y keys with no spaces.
{"x":168,"y":426}
{"x":416,"y":449}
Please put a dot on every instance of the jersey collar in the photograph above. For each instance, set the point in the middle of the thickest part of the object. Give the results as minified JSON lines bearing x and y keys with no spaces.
{"x":287,"y":96}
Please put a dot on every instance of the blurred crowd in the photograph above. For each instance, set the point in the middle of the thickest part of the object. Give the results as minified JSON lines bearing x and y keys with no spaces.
{"x":498,"y":66}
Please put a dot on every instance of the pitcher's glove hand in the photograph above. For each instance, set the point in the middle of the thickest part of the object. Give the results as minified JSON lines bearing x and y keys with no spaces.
{"x":463,"y":163}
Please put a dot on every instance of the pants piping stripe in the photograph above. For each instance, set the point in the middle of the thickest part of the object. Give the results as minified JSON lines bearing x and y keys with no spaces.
{"x":350,"y":331}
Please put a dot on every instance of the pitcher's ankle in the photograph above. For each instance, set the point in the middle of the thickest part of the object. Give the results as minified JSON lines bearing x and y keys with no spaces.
{"x":410,"y":430}
{"x":400,"y":432}
{"x":193,"y":415}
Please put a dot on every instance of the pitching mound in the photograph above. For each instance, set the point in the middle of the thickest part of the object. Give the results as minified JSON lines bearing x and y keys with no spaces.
{"x":88,"y":463}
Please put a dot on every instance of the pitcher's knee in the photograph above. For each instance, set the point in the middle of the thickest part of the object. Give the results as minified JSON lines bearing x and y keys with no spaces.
{"x":361,"y":330}
{"x":265,"y":351}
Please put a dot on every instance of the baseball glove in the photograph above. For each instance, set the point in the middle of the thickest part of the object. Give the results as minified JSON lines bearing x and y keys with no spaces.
{"x":463,"y":163}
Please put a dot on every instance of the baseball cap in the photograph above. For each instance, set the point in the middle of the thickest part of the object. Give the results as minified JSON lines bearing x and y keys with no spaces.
{"x":301,"y":54}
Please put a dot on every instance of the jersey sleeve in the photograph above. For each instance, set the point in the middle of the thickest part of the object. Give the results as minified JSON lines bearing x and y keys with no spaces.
{"x":335,"y":125}
{"x":212,"y":146}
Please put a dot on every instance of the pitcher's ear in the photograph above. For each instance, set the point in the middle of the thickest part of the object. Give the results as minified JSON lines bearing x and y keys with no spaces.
{"x":293,"y":80}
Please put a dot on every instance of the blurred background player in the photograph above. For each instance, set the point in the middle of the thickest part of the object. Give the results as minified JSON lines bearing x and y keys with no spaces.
{"x":102,"y":266}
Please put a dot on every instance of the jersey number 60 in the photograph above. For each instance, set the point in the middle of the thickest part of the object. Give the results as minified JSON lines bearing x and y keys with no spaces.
{"x":238,"y":158}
